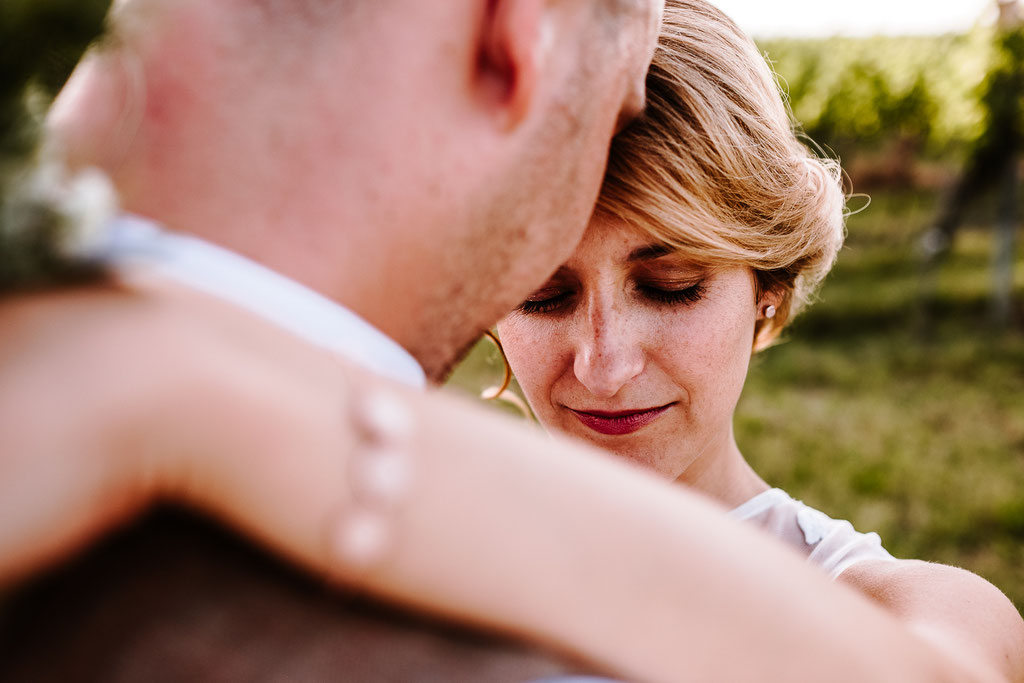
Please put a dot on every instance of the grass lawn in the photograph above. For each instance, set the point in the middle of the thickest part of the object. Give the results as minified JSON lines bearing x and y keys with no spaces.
{"x":906,"y":419}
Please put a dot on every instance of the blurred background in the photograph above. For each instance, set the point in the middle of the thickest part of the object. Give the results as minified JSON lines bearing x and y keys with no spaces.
{"x":897,"y":401}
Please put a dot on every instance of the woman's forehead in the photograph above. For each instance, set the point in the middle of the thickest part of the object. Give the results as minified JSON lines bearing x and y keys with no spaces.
{"x":613,"y":231}
{"x":612,"y":238}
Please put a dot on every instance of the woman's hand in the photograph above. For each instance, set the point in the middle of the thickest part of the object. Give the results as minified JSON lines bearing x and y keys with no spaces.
{"x":113,"y":397}
{"x":78,"y":380}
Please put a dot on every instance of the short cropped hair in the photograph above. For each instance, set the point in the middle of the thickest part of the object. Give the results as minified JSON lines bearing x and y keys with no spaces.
{"x":287,"y":21}
{"x":714,"y":168}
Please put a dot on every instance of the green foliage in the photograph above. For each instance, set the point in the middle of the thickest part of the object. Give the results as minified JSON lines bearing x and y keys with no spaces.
{"x":40,"y":42}
{"x":1001,"y":95}
{"x":43,"y":39}
{"x":863,"y":111}
{"x":853,"y":94}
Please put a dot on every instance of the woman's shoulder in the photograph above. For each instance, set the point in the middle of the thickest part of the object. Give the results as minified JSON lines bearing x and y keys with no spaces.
{"x":957,"y":610}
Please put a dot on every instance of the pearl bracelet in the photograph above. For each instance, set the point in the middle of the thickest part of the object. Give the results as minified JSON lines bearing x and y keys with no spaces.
{"x":379,"y":477}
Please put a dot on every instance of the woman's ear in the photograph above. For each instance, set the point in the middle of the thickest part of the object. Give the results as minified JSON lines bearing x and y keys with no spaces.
{"x":512,"y":56}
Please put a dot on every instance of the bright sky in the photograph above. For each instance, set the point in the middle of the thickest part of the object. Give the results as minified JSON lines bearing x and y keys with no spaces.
{"x":768,"y":18}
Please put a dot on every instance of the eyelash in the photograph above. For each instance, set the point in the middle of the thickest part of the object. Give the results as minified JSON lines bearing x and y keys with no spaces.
{"x":670,"y":297}
{"x":689,"y":295}
{"x":548,"y":305}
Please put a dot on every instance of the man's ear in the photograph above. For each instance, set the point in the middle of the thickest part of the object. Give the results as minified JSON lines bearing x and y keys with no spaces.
{"x":511,"y":56}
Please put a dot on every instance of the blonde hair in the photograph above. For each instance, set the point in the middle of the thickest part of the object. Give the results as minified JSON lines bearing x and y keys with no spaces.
{"x":713,"y":166}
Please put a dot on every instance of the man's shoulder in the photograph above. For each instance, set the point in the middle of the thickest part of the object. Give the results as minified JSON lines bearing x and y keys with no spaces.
{"x":175,"y":597}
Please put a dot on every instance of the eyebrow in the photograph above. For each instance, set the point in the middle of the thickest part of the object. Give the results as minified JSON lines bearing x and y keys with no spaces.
{"x":649,"y":252}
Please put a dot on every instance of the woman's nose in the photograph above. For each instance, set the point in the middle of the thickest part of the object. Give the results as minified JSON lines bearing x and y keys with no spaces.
{"x":609,"y":352}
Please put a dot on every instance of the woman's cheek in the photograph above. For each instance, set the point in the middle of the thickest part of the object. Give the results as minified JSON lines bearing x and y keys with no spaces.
{"x":527,"y":350}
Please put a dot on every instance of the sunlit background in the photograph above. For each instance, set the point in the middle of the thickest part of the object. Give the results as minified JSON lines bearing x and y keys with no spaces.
{"x":897,"y":401}
{"x":817,"y":18}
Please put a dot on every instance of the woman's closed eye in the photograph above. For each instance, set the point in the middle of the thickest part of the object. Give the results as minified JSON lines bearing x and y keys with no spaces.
{"x":670,"y":295}
{"x":558,"y":300}
{"x":546,"y":301}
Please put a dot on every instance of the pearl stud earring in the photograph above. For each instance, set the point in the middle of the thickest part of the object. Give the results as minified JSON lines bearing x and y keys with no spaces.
{"x":769,"y":311}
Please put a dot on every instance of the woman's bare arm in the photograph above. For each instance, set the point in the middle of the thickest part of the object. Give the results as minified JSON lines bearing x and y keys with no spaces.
{"x":502,"y":527}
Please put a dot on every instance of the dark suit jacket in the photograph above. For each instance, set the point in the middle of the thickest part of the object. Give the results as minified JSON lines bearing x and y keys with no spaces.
{"x":176,"y":598}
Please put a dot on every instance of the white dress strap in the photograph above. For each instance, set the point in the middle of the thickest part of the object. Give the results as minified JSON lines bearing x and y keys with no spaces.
{"x":832,"y":544}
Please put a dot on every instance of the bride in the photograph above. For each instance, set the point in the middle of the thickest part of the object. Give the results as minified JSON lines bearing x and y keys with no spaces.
{"x":714,"y":227}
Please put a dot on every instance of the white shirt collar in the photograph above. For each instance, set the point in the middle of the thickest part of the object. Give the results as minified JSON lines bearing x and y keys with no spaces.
{"x":259,"y":290}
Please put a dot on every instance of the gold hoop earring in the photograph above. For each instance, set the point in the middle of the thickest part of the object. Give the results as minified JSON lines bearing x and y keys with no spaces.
{"x":501,"y":393}
{"x":494,"y":393}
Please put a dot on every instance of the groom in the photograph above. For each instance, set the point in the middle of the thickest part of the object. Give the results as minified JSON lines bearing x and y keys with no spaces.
{"x":410,"y":162}
{"x":382,"y":178}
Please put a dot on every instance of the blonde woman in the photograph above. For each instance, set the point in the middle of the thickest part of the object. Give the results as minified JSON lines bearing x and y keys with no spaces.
{"x":714,"y":226}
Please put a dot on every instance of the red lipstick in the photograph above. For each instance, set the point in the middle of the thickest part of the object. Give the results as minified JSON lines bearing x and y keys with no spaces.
{"x":618,"y":423}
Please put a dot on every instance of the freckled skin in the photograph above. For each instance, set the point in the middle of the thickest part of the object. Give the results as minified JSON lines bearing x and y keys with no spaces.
{"x":603,"y":342}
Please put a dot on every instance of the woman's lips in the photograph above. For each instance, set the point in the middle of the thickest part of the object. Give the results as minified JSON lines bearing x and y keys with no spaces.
{"x":617,"y":423}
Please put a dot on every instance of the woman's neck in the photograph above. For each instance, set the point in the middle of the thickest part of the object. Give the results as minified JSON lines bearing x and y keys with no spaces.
{"x":723,"y":474}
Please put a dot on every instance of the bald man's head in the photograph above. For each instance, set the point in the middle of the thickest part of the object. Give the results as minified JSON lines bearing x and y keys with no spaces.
{"x":451,"y":150}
